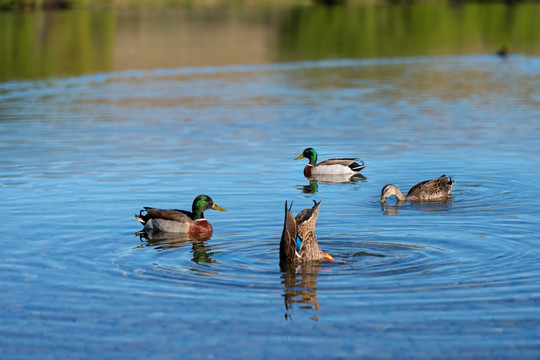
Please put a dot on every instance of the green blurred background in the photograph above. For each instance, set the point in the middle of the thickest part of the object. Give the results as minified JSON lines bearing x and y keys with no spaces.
{"x":88,"y":39}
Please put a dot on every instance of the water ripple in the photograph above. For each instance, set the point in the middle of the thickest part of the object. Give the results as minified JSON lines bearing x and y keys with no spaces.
{"x":81,"y":155}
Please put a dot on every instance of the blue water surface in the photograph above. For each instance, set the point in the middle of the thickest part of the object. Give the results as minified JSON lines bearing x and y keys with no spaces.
{"x":458,"y":279}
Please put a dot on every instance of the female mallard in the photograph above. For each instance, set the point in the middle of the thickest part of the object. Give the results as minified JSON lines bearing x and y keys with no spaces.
{"x":298,"y":240}
{"x":330,"y":166}
{"x":435,"y":189}
{"x":180,"y":221}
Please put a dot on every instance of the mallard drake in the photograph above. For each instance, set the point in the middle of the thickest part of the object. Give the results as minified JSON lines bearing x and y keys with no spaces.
{"x":298,"y":240}
{"x":179,"y":221}
{"x":435,"y":189}
{"x":330,"y":166}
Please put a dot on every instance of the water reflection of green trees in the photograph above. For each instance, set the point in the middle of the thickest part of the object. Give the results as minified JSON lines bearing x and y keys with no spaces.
{"x":42,"y":44}
{"x":74,"y":42}
{"x":397,"y":30}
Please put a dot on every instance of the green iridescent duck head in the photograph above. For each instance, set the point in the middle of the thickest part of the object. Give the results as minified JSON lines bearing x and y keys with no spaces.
{"x":202,"y":203}
{"x":309,"y":154}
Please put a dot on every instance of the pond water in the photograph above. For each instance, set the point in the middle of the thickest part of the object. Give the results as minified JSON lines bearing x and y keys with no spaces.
{"x":82,"y":154}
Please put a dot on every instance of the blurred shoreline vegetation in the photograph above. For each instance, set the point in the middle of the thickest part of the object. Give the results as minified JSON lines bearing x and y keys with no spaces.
{"x":71,"y":42}
{"x":100,"y":4}
{"x":396,"y":30}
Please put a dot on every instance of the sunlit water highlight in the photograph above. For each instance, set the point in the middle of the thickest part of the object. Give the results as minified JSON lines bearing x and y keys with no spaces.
{"x":460,"y":278}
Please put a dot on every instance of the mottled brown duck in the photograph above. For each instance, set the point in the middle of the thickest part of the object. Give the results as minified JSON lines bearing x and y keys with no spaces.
{"x":429,"y":190}
{"x":298,"y":240}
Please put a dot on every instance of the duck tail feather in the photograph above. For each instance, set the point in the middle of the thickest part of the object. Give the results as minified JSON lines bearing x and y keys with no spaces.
{"x":139,"y":219}
{"x":142,"y":218}
{"x":356,"y":166}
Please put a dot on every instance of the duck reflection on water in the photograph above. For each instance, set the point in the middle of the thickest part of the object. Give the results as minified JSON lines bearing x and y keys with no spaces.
{"x":427,"y":206}
{"x":301,"y":287}
{"x":329,"y":179}
{"x":165,"y":241}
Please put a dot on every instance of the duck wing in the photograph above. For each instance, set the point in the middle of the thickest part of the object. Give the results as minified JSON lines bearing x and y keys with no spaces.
{"x":347,"y":162}
{"x":432,"y":189}
{"x":306,"y":221}
{"x":181,"y":216}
